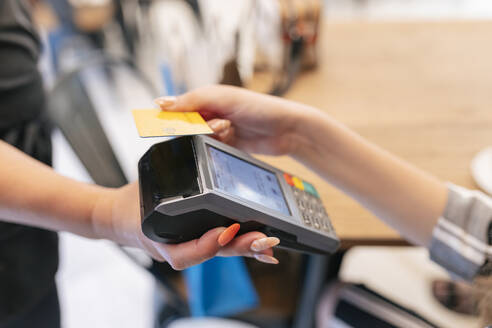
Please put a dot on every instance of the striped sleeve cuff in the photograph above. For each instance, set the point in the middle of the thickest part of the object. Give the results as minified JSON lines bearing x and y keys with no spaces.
{"x":461,"y":240}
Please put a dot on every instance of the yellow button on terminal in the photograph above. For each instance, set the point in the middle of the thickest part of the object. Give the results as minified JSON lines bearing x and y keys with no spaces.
{"x":298,"y":183}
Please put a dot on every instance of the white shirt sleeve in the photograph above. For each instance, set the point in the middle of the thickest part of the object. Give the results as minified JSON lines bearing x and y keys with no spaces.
{"x":462,"y":237}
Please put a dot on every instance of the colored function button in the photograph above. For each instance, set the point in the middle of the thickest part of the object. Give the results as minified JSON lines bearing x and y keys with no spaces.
{"x":298,"y":183}
{"x":310,"y":188}
{"x":288,"y":178}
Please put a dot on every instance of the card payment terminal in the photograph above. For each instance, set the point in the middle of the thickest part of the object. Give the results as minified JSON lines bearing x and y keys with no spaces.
{"x":189,"y":185}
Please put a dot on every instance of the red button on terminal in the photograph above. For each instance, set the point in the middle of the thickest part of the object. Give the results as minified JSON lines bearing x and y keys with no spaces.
{"x":288,"y":178}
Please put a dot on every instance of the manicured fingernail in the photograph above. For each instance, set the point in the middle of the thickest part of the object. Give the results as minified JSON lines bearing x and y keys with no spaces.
{"x":225,"y":124}
{"x":214,"y":125}
{"x":266,"y":258}
{"x":219,"y":125}
{"x":228,"y":234}
{"x":167,"y":101}
{"x":264,"y":243}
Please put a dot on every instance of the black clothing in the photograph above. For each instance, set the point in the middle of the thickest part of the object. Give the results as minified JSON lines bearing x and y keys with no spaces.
{"x":21,"y":88}
{"x":28,"y":256}
{"x":43,"y":314}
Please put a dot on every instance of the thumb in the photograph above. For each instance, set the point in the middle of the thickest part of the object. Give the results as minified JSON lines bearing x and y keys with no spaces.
{"x":176,"y":103}
{"x":184,"y":255}
{"x":216,"y":100}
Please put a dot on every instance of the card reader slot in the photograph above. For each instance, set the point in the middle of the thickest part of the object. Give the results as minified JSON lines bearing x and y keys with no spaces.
{"x":181,"y":228}
{"x":168,"y":170}
{"x":282,"y":235}
{"x":288,"y":241}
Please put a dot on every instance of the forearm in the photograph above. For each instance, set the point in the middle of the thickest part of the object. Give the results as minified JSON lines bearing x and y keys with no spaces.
{"x":31,"y":193}
{"x":403,"y":196}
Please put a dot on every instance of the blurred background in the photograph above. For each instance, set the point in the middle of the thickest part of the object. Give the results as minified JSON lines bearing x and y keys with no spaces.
{"x":410,"y":68}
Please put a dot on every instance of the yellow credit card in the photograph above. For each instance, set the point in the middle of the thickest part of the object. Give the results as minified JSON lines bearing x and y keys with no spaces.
{"x":157,"y":123}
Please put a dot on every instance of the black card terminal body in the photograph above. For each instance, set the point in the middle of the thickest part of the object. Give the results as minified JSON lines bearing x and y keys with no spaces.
{"x":189,"y":185}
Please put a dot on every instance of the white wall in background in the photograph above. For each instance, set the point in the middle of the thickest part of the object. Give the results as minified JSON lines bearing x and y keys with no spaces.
{"x":407,"y":9}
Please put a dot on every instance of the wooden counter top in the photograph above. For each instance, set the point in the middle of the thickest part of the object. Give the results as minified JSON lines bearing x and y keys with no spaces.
{"x":420,"y":90}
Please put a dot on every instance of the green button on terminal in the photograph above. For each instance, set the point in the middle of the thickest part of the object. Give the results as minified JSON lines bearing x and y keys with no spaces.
{"x":310,"y":188}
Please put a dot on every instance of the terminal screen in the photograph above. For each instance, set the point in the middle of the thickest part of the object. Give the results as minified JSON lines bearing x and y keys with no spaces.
{"x":242,"y":179}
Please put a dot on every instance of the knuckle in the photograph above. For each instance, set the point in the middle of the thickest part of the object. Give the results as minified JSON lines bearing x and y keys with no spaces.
{"x":208,"y":255}
{"x":205,"y":251}
{"x":209,"y":88}
{"x":206,"y":92}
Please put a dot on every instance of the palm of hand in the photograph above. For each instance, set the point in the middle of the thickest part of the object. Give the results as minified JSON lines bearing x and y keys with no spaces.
{"x":256,"y":127}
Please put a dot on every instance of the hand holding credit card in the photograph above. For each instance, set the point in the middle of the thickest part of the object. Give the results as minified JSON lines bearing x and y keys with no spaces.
{"x":158,"y":123}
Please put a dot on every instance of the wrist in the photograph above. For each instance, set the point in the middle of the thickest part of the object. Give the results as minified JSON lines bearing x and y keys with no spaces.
{"x":102,"y":212}
{"x":312,"y":130}
{"x":116,"y":215}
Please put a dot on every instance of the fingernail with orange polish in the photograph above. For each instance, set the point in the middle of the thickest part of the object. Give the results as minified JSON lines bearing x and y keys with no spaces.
{"x":228,"y":234}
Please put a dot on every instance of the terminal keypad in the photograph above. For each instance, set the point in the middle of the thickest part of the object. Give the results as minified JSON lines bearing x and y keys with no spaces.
{"x":309,"y":204}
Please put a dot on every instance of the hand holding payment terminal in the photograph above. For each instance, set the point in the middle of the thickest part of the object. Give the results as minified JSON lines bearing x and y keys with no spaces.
{"x":192,"y":184}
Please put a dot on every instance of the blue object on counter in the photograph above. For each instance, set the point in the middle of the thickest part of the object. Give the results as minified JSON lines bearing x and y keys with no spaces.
{"x":220,"y":287}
